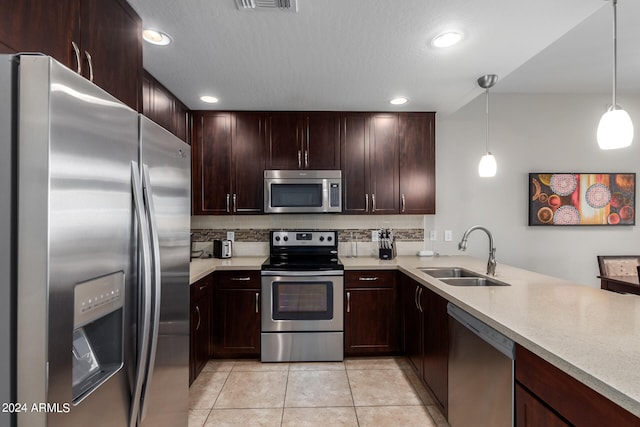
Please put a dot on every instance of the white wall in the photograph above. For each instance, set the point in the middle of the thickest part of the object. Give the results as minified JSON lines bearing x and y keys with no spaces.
{"x":529,"y":133}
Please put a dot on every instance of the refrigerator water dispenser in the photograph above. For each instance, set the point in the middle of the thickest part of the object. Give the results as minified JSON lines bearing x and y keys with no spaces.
{"x":97,"y":351}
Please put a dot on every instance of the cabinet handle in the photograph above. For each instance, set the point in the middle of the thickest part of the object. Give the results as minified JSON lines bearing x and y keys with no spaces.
{"x":299,"y":158}
{"x":420,"y":303}
{"x":373,"y":202}
{"x":90,"y":62}
{"x":235,"y":205}
{"x":241,"y":279}
{"x":199,"y":318}
{"x":257,"y":299}
{"x":415,"y":297}
{"x":366,"y":203}
{"x":228,"y":202}
{"x":203,"y":287}
{"x":368,"y":279}
{"x":306,"y":158}
{"x":76,"y":50}
{"x":403,"y":203}
{"x":348,"y":302}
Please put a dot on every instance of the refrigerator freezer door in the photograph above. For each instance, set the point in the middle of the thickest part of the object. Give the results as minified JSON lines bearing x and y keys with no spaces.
{"x":7,"y":225}
{"x":75,"y":148}
{"x":166,"y":164}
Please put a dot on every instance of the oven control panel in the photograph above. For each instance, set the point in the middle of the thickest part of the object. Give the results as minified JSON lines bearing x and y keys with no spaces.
{"x":304,"y":238}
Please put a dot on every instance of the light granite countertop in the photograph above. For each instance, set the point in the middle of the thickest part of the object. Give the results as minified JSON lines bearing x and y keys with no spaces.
{"x":591,"y":334}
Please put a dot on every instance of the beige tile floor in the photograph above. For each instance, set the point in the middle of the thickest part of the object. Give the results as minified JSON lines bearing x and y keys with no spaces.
{"x":357,"y":392}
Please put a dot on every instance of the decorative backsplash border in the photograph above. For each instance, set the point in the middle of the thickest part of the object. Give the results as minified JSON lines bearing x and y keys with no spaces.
{"x":344,"y":235}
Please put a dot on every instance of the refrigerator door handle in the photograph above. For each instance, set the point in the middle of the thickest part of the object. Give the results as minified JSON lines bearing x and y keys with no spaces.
{"x":156,"y":284}
{"x":145,"y":320}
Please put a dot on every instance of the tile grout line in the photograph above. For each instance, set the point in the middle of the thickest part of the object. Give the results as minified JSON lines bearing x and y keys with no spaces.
{"x":355,"y":411}
{"x":284,"y":398}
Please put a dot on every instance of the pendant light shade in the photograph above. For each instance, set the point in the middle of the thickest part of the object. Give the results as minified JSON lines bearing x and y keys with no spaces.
{"x":487,"y":166}
{"x":615,"y":129}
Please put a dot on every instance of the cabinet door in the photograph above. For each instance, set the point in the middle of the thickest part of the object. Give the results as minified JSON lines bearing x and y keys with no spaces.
{"x":436,"y":346}
{"x":211,"y":164}
{"x":46,"y":26}
{"x":370,"y":313}
{"x":354,"y":133}
{"x":157,"y":102}
{"x":417,"y":163}
{"x":200,"y":320}
{"x":236,"y":305}
{"x":412,"y":321}
{"x":237,"y":325}
{"x":111,"y":32}
{"x":248,"y":163}
{"x":530,"y":412}
{"x":383,"y":155}
{"x":321,"y":136}
{"x":284,"y":141}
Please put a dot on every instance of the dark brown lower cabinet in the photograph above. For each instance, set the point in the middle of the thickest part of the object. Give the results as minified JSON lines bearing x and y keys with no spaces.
{"x":236,"y":306}
{"x":531,"y":412}
{"x":200,"y":326}
{"x":559,"y":394}
{"x":370,"y":325}
{"x":425,"y":326}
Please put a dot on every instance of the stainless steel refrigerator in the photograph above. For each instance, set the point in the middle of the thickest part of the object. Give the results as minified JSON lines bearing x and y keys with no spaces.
{"x":94,"y":255}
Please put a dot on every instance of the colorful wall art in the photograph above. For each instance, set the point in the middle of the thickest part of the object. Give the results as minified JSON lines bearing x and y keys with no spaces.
{"x":582,"y":199}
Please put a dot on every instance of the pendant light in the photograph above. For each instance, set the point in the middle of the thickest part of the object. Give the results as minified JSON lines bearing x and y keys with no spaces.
{"x":487,"y":166}
{"x":615,"y":129}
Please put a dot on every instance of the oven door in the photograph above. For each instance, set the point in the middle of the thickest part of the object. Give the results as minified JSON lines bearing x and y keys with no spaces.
{"x":302,"y":301}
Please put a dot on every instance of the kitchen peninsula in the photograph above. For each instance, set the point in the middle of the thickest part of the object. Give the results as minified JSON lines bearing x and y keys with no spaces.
{"x":589,"y":334}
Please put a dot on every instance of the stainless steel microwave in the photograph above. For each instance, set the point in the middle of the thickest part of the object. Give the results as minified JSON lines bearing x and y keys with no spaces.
{"x":303,"y":191}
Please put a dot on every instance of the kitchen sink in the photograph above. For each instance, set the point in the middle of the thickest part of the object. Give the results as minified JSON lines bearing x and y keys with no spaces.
{"x":472,"y":281}
{"x":444,"y":272}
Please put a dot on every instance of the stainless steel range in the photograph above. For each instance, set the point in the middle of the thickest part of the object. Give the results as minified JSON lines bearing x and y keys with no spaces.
{"x":302,"y":298}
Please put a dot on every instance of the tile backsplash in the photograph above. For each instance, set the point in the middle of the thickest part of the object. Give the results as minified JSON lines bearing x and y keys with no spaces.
{"x":252,"y":232}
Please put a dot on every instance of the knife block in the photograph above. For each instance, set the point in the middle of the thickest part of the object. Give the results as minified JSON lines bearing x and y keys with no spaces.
{"x":386,"y":253}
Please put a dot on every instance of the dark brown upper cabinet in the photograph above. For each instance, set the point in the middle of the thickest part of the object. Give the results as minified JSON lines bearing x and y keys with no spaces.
{"x":417,"y":163}
{"x":302,"y":140}
{"x":102,"y":40}
{"x":164,"y":108}
{"x":228,"y":163}
{"x":388,"y":163}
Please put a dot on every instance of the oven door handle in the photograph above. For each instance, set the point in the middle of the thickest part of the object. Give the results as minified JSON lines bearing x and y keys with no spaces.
{"x":303,"y":273}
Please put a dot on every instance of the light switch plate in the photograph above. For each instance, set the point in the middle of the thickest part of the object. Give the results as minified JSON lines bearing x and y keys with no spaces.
{"x":374,"y":235}
{"x":448,"y":235}
{"x":433,"y":235}
{"x":231,"y":235}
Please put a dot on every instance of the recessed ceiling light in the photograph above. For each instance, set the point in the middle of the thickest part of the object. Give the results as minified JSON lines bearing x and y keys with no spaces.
{"x":156,"y":37}
{"x":209,"y":99}
{"x":399,"y":100}
{"x":447,"y":39}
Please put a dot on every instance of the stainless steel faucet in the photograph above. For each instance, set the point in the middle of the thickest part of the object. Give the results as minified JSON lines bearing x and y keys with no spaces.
{"x":491,"y":263}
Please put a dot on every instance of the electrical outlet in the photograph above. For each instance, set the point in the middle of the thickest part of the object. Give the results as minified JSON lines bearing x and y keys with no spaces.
{"x":433,"y":235}
{"x":448,"y":235}
{"x":231,"y":235}
{"x":374,"y":235}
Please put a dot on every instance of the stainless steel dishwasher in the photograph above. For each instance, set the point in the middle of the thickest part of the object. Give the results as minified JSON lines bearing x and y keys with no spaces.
{"x":481,"y":365}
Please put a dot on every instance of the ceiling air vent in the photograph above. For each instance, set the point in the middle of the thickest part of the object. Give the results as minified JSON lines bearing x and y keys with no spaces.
{"x":280,"y":5}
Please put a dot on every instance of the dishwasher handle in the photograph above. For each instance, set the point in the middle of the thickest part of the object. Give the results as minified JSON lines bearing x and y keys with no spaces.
{"x":492,"y":337}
